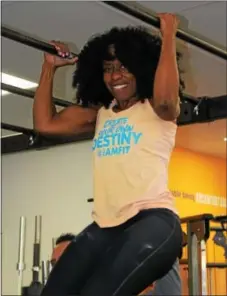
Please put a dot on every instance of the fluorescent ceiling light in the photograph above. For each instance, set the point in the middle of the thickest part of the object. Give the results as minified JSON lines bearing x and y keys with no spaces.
{"x":17,"y":82}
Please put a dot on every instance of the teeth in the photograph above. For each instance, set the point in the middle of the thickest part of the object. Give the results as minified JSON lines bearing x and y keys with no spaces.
{"x":120,"y":86}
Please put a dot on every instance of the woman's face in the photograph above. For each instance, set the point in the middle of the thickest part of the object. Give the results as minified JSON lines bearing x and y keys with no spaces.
{"x":119,"y":81}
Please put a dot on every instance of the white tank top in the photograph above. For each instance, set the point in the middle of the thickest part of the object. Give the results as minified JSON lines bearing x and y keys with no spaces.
{"x":131,"y":153}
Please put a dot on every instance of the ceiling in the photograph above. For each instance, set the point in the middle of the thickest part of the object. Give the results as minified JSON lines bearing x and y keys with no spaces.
{"x":75,"y":21}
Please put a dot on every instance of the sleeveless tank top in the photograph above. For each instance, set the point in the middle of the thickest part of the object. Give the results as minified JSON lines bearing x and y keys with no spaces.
{"x":131,"y":153}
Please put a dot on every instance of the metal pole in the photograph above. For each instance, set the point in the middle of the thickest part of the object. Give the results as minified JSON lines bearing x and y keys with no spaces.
{"x":30,"y":41}
{"x":18,"y":129}
{"x":149,"y":19}
{"x":36,"y":249}
{"x":33,"y":137}
{"x":45,"y":271}
{"x":21,"y":264}
{"x":203,"y":267}
{"x":193,"y":268}
{"x":31,"y":94}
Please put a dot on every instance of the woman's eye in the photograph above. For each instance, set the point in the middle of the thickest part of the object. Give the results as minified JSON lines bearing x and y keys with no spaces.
{"x":107,"y":69}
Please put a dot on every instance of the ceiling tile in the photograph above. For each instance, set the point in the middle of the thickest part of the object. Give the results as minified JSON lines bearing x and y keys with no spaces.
{"x":210,"y":21}
{"x":170,"y":6}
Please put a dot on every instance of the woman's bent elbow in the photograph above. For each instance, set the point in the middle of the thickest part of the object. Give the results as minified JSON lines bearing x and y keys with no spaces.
{"x":41,"y":128}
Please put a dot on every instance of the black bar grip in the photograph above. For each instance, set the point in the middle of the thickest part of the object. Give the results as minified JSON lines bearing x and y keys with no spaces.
{"x":32,"y":42}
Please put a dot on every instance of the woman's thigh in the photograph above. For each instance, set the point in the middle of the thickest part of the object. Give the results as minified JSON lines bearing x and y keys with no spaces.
{"x":144,"y":253}
{"x":78,"y":261}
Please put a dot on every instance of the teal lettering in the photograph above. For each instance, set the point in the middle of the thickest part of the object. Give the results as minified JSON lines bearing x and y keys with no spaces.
{"x":107,"y":123}
{"x":115,"y":122}
{"x":136,"y":137}
{"x":105,"y":132}
{"x":99,"y":143}
{"x":120,"y":150}
{"x":102,"y":133}
{"x":115,"y":139}
{"x":126,"y":149}
{"x":124,"y":129}
{"x":114,"y":151}
{"x":107,"y":153}
{"x":109,"y":131}
{"x":128,"y":128}
{"x":124,"y":120}
{"x":125,"y":138}
{"x":106,"y":141}
{"x":119,"y":129}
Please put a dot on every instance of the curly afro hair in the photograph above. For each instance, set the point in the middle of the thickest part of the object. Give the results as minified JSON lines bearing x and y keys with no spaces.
{"x":135,"y":48}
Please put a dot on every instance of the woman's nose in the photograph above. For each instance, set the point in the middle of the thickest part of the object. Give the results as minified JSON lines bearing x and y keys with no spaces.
{"x":116,"y":74}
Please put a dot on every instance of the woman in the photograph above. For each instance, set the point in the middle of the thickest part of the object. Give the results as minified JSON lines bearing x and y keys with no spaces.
{"x":128,"y":89}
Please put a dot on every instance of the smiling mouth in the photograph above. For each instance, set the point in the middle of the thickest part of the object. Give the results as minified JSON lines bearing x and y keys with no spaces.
{"x":121,"y":86}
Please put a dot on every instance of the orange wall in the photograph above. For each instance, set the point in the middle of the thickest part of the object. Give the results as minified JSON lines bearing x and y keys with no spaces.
{"x":191,"y":173}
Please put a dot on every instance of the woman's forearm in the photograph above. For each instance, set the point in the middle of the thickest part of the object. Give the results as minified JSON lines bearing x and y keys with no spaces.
{"x":43,"y":107}
{"x":166,"y":85}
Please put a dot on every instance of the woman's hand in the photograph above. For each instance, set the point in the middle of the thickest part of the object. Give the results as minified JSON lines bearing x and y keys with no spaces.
{"x":168,"y":24}
{"x":63,"y":52}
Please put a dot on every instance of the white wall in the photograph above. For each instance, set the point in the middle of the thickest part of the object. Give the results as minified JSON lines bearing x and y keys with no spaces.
{"x":54,"y":183}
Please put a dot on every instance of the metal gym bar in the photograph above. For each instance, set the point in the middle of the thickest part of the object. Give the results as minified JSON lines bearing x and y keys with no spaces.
{"x":30,"y":41}
{"x":192,"y":111}
{"x":130,"y":9}
{"x":30,"y":94}
{"x":17,"y":129}
{"x":46,"y":47}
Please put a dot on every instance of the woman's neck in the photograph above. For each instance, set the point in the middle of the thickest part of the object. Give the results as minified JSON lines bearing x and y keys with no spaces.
{"x":125,"y":104}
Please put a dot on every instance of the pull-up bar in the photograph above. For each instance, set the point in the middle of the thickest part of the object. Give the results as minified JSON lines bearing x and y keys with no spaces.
{"x":129,"y":9}
{"x":149,"y":19}
{"x":17,"y":129}
{"x":30,"y":41}
{"x":31,"y":94}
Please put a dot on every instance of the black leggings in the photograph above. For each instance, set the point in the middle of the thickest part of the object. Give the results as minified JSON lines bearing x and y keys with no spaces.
{"x":118,"y":261}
